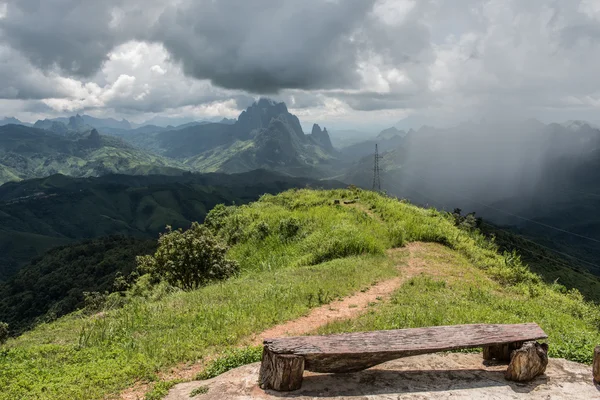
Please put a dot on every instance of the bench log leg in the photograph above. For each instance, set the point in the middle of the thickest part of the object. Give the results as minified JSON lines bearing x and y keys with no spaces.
{"x":596,"y":368}
{"x":528,"y":362}
{"x":280,"y":372}
{"x":501,"y":352}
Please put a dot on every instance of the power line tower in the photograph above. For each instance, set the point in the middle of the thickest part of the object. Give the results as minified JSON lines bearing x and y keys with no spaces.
{"x":376,"y":171}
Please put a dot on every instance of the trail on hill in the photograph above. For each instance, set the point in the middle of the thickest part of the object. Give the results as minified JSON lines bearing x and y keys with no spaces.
{"x":347,"y":308}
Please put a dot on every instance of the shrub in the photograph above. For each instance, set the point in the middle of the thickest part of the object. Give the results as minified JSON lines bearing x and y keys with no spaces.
{"x":94,"y":301}
{"x":188,"y":259}
{"x":288,"y":228}
{"x":262,"y":230}
{"x":215,"y":219}
{"x":3,"y":332}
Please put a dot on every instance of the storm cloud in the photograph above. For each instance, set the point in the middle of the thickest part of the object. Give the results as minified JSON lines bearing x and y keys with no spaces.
{"x":440,"y":58}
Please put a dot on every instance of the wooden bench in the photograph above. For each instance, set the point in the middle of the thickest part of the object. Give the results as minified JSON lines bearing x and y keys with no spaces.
{"x":285,"y":359}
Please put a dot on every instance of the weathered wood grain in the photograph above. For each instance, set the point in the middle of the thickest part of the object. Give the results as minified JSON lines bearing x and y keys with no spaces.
{"x":596,"y":368}
{"x":527,"y":362}
{"x":357,"y":351}
{"x":281,"y":372}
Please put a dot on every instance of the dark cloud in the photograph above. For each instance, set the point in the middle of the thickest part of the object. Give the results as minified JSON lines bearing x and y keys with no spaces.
{"x":466,"y":56}
{"x":264,"y":46}
{"x":72,"y":35}
{"x":261,"y":46}
{"x":21,"y":81}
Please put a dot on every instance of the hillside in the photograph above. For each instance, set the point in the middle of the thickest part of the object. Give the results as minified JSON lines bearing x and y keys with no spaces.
{"x":27,"y":153}
{"x":265,"y":135}
{"x":38,"y":214}
{"x":54,"y":284}
{"x":297,"y":251}
{"x":537,"y":180}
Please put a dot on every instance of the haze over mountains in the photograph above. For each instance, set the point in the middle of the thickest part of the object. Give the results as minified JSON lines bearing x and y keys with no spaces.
{"x":509,"y":172}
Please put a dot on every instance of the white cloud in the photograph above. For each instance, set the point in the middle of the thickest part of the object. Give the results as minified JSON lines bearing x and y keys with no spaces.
{"x":378,"y":60}
{"x":158,"y":70}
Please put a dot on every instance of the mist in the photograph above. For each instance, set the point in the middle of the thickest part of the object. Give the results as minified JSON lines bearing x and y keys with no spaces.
{"x":516,"y":166}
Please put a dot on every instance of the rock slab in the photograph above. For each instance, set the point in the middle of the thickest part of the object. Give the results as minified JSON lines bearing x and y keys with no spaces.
{"x":433,"y":376}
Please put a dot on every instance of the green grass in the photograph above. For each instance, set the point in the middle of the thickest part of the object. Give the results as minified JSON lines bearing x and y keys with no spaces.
{"x":462,"y":294}
{"x":161,"y":389}
{"x":297,"y":250}
{"x":232,"y":359}
{"x":198,"y":391}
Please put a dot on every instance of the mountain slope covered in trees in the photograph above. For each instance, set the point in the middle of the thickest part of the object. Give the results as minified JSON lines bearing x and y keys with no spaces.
{"x":38,"y":214}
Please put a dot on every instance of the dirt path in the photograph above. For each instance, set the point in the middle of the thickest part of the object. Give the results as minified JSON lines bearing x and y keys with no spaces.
{"x":347,"y":308}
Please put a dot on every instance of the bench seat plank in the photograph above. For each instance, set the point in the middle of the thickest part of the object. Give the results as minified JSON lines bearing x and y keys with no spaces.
{"x":352,"y":352}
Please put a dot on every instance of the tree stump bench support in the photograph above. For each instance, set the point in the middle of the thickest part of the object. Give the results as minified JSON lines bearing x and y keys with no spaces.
{"x":285,"y":359}
{"x":596,"y":366}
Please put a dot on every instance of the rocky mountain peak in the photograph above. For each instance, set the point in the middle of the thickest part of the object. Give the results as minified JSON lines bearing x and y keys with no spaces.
{"x":260,"y":114}
{"x":321,"y":137}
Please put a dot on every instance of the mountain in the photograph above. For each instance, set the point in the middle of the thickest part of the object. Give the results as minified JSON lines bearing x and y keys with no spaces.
{"x":57,"y":127}
{"x":41,"y":213}
{"x":321,"y":138}
{"x":390,"y":133}
{"x":265,"y":135}
{"x":386,"y":140}
{"x":33,"y":153}
{"x":165,"y":121}
{"x":538,"y":180}
{"x":12,"y":121}
{"x":106,"y":123}
{"x":345,"y":138}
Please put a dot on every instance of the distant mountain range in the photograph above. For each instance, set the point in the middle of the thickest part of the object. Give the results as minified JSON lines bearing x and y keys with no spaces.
{"x":265,"y":136}
{"x":542,"y":172}
{"x":542,"y":181}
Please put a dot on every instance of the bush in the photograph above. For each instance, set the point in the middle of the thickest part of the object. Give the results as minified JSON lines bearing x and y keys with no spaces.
{"x":215,"y":219}
{"x":94,"y":301}
{"x":3,"y":332}
{"x":188,"y":259}
{"x":288,"y":228}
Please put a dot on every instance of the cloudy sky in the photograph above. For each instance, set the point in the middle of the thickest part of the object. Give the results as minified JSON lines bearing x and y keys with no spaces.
{"x":342,"y":63}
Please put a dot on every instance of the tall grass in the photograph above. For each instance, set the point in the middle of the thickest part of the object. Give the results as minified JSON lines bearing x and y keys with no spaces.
{"x":296,"y":250}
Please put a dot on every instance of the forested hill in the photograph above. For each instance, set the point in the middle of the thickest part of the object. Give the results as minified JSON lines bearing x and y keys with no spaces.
{"x":38,"y":214}
{"x":274,"y":261}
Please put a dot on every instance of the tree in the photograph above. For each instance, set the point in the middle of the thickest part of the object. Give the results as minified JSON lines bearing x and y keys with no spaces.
{"x":189,"y":259}
{"x":3,"y":332}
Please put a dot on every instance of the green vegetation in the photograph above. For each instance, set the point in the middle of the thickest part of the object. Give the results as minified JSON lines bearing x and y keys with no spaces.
{"x":188,"y":260}
{"x":27,"y":152}
{"x":296,"y":250}
{"x":198,"y":391}
{"x":54,"y":284}
{"x":552,"y":267}
{"x":231,"y":359}
{"x":36,"y":215}
{"x":3,"y":332}
{"x":160,"y":389}
{"x":459,"y":293}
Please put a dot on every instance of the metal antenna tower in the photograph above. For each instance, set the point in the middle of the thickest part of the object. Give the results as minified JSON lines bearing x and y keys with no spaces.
{"x":376,"y":177}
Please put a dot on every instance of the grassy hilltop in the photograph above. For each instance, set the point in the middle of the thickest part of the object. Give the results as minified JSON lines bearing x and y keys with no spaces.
{"x":296,"y":251}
